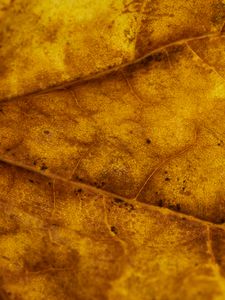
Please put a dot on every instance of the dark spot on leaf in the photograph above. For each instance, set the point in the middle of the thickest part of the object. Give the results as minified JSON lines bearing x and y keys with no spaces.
{"x":99,"y":184}
{"x":114,"y":229}
{"x":148,"y":141}
{"x":129,"y":206}
{"x":147,"y":60}
{"x":160,"y":202}
{"x":122,"y":203}
{"x":78,"y":178}
{"x":44,"y":167}
{"x":46,"y":132}
{"x":117,"y":200}
{"x":178,"y":207}
{"x":221,"y":221}
{"x":167,"y":179}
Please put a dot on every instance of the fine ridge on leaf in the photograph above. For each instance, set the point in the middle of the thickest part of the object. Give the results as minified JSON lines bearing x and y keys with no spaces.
{"x":60,"y":51}
{"x":163,"y":163}
{"x":211,"y":67}
{"x":112,"y":70}
{"x":91,"y":189}
{"x":99,"y":226}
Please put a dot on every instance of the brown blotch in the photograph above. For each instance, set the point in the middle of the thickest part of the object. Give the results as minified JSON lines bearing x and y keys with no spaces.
{"x":178,"y":207}
{"x":218,"y":13}
{"x":44,"y":167}
{"x":175,"y":50}
{"x":68,"y":56}
{"x":51,"y":32}
{"x":114,"y":229}
{"x":160,"y":203}
{"x":157,"y":57}
{"x":146,"y":62}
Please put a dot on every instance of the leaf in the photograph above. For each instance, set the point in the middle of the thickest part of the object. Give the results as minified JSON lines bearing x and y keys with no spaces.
{"x":112,"y":150}
{"x":48,"y":43}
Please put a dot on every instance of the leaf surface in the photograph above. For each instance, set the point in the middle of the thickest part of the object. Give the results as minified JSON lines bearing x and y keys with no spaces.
{"x":112,"y":150}
{"x":51,"y":43}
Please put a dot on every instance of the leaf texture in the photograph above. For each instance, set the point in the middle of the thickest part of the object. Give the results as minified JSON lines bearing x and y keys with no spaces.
{"x":50,"y":43}
{"x":112,"y":150}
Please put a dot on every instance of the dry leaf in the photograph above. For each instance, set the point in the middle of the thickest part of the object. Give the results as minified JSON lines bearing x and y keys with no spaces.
{"x":112,"y":150}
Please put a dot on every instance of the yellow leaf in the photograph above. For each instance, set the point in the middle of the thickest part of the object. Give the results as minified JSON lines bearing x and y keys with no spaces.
{"x":112,"y":150}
